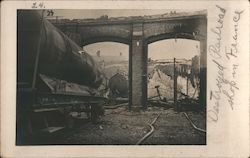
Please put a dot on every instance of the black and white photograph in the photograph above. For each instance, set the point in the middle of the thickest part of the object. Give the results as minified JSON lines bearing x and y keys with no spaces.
{"x":122,"y":78}
{"x":111,"y":77}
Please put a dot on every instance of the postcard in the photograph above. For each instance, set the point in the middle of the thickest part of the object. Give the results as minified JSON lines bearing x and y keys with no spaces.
{"x":124,"y":79}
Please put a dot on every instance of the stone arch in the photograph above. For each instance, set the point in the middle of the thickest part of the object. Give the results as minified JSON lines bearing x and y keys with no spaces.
{"x":203,"y":56}
{"x":118,"y":41}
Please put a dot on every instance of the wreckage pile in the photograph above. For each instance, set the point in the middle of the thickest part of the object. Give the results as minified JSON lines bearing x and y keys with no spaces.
{"x":161,"y":79}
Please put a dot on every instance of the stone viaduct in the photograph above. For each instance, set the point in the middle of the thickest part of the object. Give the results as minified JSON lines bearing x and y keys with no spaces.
{"x":138,"y":33}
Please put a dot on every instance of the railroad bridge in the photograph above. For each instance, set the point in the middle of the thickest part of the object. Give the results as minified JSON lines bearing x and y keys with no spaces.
{"x":138,"y":33}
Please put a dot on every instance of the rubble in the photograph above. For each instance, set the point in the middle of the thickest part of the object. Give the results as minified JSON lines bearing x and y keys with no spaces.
{"x":127,"y":128}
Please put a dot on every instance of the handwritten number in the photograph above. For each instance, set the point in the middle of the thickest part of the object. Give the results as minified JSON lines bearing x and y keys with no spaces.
{"x":40,"y":5}
{"x":50,"y":13}
{"x":34,"y":5}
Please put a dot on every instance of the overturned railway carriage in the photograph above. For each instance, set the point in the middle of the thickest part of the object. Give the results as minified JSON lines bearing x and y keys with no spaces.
{"x":49,"y":64}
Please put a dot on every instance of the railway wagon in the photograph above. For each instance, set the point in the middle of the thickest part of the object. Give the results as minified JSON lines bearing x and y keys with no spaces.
{"x":55,"y":77}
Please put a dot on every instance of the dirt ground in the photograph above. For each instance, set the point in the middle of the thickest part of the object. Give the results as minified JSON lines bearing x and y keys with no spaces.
{"x":121,"y":127}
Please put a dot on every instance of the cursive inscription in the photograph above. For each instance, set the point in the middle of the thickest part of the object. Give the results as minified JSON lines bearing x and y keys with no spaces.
{"x":214,"y":50}
{"x":225,"y":63}
{"x":235,"y":67}
{"x":233,"y":50}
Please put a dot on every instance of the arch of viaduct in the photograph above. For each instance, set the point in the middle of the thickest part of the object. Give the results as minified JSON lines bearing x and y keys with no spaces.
{"x":138,"y":34}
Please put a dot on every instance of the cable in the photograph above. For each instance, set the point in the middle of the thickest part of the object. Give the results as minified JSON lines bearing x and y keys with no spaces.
{"x":150,"y":132}
{"x":193,"y":125}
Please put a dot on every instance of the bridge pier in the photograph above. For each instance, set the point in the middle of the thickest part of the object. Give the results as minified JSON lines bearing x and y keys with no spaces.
{"x":136,"y":99}
{"x":138,"y":59}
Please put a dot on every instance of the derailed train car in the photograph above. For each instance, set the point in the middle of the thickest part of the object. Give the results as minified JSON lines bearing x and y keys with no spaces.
{"x":48,"y":64}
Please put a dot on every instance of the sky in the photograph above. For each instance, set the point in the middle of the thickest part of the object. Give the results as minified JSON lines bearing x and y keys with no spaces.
{"x":171,"y":48}
{"x":164,"y":49}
